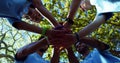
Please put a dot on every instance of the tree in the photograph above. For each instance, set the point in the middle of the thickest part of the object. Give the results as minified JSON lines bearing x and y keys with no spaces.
{"x":11,"y":39}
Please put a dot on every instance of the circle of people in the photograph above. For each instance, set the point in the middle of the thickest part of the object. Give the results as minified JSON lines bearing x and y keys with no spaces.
{"x":60,"y":36}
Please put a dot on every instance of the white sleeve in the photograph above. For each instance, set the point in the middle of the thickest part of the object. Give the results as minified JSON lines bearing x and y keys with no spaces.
{"x":104,"y":6}
{"x":93,"y":2}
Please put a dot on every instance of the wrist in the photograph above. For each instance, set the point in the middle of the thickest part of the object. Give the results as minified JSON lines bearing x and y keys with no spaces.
{"x":77,"y":37}
{"x":69,"y":21}
{"x":58,"y":27}
{"x":67,"y":25}
{"x":56,"y":51}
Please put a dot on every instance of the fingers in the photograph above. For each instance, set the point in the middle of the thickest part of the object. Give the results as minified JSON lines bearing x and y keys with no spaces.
{"x":61,"y":42}
{"x":58,"y":34}
{"x":62,"y":31}
{"x":59,"y":38}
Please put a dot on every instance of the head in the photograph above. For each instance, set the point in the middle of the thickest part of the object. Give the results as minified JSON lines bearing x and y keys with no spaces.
{"x":85,"y":5}
{"x":34,"y":15}
{"x":82,"y":48}
{"x":43,"y":49}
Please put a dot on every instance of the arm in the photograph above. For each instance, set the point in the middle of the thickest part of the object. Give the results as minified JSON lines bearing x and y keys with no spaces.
{"x":71,"y":56}
{"x":56,"y":55}
{"x":30,"y":48}
{"x":29,"y":27}
{"x":38,"y":4}
{"x":94,"y":43}
{"x":72,"y":39}
{"x":92,"y":26}
{"x":73,"y":9}
{"x":50,"y":33}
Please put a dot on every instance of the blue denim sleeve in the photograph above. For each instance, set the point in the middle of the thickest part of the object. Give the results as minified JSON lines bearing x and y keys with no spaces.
{"x":108,"y":15}
{"x":19,"y":61}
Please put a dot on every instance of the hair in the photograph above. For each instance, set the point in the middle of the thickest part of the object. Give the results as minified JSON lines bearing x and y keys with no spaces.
{"x":42,"y":50}
{"x":84,"y":49}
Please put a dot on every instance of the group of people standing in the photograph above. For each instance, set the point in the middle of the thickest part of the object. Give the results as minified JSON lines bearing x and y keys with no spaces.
{"x":60,"y":36}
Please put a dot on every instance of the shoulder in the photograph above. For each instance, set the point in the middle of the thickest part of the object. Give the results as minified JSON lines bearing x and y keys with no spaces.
{"x":35,"y":58}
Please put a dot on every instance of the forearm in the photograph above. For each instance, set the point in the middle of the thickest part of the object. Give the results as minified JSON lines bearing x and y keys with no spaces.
{"x":56,"y":55}
{"x":71,"y":56}
{"x":94,"y":43}
{"x":36,"y":45}
{"x":92,"y":26}
{"x":73,"y":8}
{"x":28,"y":27}
{"x":38,"y":4}
{"x":30,"y":48}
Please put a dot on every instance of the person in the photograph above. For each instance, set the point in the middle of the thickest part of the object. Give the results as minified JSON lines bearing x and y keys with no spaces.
{"x":95,"y":55}
{"x":14,"y":10}
{"x":83,"y":48}
{"x":104,"y":13}
{"x":101,"y":57}
{"x":33,"y":52}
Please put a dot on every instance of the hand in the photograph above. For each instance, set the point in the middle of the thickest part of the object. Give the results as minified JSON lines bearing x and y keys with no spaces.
{"x":71,"y":56}
{"x":68,"y":31}
{"x":51,"y":34}
{"x":21,"y":54}
{"x":34,"y":15}
{"x":65,"y":40}
{"x":56,"y":55}
{"x":67,"y":25}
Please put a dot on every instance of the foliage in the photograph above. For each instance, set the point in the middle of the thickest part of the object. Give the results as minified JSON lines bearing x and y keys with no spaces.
{"x":12,"y":39}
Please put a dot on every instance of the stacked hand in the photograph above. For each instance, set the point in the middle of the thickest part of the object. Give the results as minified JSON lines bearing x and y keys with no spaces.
{"x":61,"y":37}
{"x":63,"y":40}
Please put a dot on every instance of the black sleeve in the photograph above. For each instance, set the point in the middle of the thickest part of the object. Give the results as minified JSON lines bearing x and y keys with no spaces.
{"x":108,"y":15}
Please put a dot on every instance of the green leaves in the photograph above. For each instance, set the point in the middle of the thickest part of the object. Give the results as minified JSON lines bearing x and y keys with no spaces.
{"x":108,"y":32}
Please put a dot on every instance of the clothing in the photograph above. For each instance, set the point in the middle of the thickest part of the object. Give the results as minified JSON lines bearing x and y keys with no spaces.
{"x":104,"y":6}
{"x":33,"y":58}
{"x":13,"y":9}
{"x":108,"y":15}
{"x":97,"y":56}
